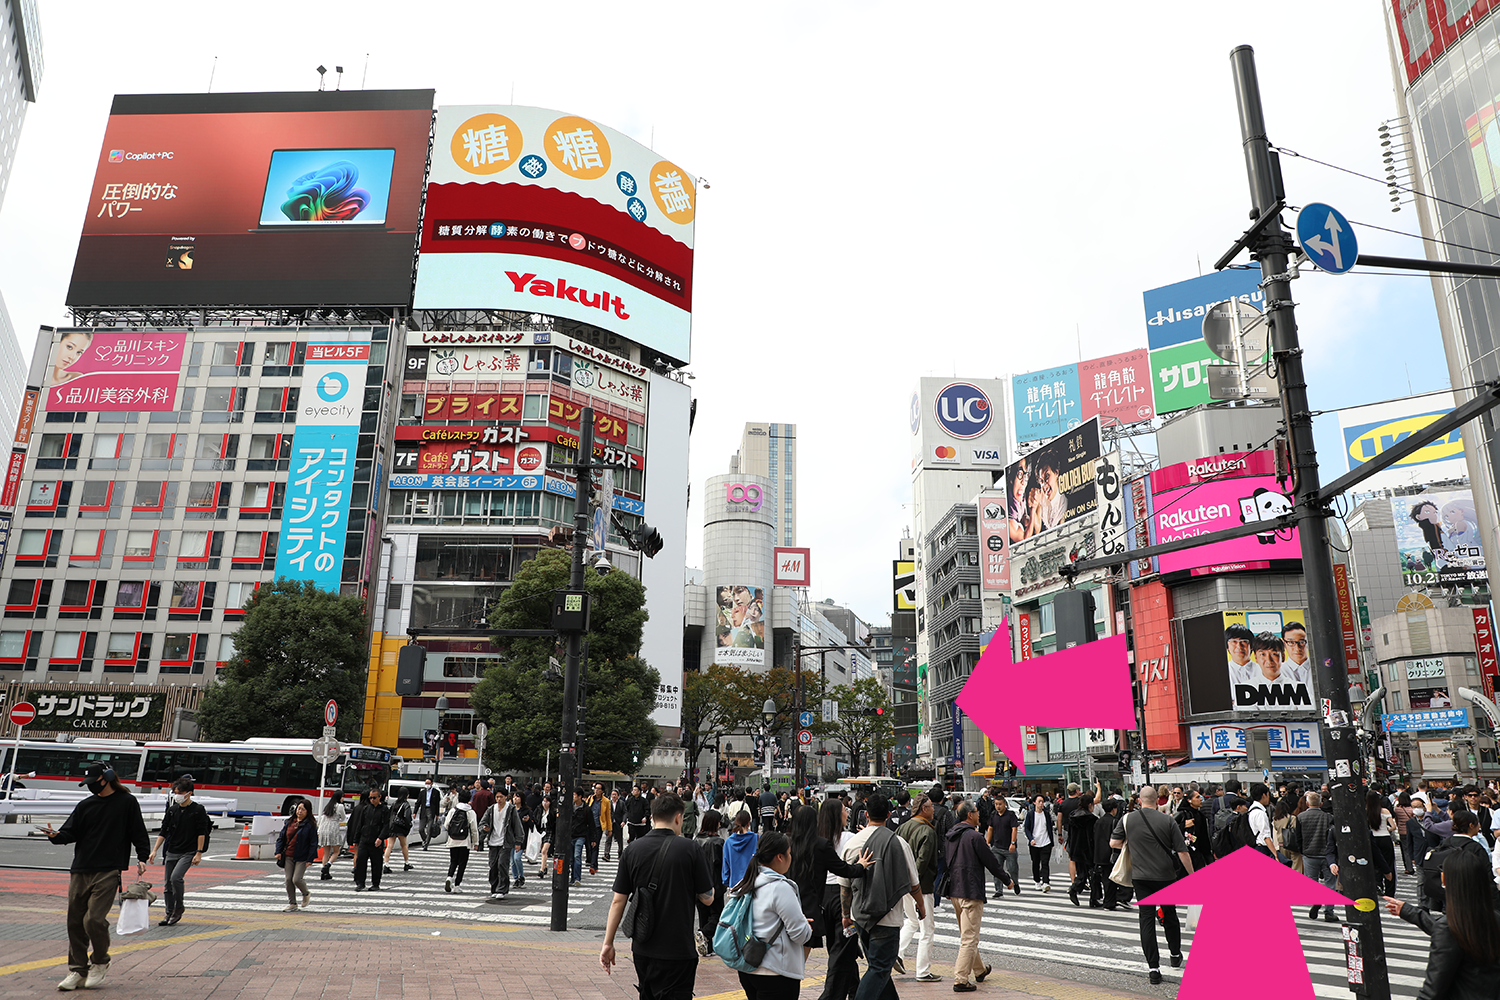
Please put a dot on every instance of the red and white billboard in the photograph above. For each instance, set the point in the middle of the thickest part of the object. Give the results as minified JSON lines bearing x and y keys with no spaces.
{"x":1425,"y":29}
{"x":1116,"y":389}
{"x":1484,"y":645}
{"x":94,"y":370}
{"x":793,"y":567}
{"x":545,"y":212}
{"x":994,"y":542}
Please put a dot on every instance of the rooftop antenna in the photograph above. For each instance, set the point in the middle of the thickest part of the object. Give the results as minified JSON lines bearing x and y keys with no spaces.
{"x":338,"y":83}
{"x":363,"y":76}
{"x":321,"y":70}
{"x":211,"y":71}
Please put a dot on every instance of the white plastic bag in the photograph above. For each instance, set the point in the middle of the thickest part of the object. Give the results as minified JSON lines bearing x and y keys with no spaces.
{"x":1194,"y":911}
{"x":534,"y":846}
{"x":135,"y":916}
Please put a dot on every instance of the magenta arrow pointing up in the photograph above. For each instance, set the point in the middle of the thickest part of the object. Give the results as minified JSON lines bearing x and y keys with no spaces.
{"x":1246,"y":896}
{"x":1086,"y":687}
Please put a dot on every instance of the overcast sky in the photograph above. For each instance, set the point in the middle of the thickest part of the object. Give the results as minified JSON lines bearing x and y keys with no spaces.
{"x":896,"y":190}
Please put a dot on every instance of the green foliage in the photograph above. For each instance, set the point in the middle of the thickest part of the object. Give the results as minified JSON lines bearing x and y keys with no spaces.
{"x":524,"y":709}
{"x":298,"y":647}
{"x":859,"y":733}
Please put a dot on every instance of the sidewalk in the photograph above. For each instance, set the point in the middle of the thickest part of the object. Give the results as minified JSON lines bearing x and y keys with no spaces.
{"x":246,"y":956}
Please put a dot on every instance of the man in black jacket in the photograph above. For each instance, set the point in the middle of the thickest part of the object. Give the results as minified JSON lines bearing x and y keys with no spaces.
{"x":636,"y":814}
{"x":1103,"y":892}
{"x":582,"y":832}
{"x":1154,"y":839}
{"x":184,"y":832}
{"x":103,"y":827}
{"x":369,"y":825}
{"x":429,"y":804}
{"x":968,"y":857}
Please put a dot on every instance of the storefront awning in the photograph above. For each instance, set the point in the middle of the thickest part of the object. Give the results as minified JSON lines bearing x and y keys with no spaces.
{"x":988,"y":771}
{"x":1056,"y":770}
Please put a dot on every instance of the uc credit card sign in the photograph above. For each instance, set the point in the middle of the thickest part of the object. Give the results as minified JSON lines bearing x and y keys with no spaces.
{"x":316,"y":516}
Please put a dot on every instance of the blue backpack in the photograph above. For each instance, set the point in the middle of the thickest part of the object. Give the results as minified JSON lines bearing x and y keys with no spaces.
{"x":735,"y":941}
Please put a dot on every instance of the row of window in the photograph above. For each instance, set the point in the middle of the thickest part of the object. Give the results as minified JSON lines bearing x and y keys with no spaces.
{"x":122,"y":652}
{"x":247,"y":549}
{"x":118,"y":451}
{"x":158,"y":498}
{"x":134,"y":599}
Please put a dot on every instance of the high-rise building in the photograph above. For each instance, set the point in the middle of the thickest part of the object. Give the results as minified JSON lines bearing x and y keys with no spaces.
{"x":20,"y":72}
{"x":770,"y":451}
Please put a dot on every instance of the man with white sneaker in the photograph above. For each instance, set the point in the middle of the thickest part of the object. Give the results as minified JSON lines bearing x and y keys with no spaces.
{"x":102,"y":827}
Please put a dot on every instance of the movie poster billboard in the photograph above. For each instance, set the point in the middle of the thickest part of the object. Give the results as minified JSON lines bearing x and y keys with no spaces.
{"x":270,"y":199}
{"x":740,"y":626}
{"x":1174,"y":333}
{"x":1437,"y":539}
{"x":545,"y":212}
{"x":96,"y":370}
{"x":1267,"y":661}
{"x":1055,"y":484}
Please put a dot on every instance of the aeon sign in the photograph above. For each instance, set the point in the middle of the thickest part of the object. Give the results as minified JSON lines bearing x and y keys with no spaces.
{"x":745,"y":493}
{"x":963,"y":410}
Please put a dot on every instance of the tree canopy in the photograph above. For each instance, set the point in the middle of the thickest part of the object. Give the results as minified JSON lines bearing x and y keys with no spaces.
{"x":523,"y":708}
{"x":298,"y":647}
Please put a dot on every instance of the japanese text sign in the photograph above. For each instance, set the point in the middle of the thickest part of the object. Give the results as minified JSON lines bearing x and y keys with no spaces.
{"x":1174,"y":333}
{"x":1046,"y":403}
{"x":1410,"y":722}
{"x":63,"y":710}
{"x":1287,"y":739}
{"x":1117,"y":389}
{"x":94,"y":370}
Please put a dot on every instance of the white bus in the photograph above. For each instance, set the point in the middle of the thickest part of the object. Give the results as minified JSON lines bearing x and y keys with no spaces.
{"x":60,"y":766}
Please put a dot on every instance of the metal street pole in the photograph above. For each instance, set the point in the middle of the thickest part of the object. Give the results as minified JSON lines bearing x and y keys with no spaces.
{"x":1273,"y":245}
{"x":568,"y":762}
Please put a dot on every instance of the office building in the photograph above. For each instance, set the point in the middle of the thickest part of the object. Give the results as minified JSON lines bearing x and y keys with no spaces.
{"x":770,"y":451}
{"x":20,"y":74}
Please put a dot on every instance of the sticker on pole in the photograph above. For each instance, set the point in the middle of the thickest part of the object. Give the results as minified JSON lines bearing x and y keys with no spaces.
{"x":330,"y":712}
{"x":1327,"y":238}
{"x":22,"y":713}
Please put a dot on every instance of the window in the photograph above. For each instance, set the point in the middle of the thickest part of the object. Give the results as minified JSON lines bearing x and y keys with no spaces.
{"x":22,"y":593}
{"x":187,"y":595}
{"x":226,"y":648}
{"x":458,"y":557}
{"x":278,"y":353}
{"x":121,"y":646}
{"x":194,"y":545}
{"x":96,"y":494}
{"x":248,"y":544}
{"x":131,"y":594}
{"x":75,"y":594}
{"x":33,"y":542}
{"x":65,"y":645}
{"x":162,"y":446}
{"x":141,"y":544}
{"x":269,"y":446}
{"x":531,"y":408}
{"x":269,"y":398}
{"x":86,"y":544}
{"x":202,"y":493}
{"x":53,"y":446}
{"x":13,"y":645}
{"x":460,"y":666}
{"x":256,"y":496}
{"x":43,"y":493}
{"x":148,"y":495}
{"x":178,"y":648}
{"x":226,"y":353}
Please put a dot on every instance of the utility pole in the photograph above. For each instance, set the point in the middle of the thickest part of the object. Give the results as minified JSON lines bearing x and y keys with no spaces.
{"x":1272,"y":245}
{"x":569,"y":762}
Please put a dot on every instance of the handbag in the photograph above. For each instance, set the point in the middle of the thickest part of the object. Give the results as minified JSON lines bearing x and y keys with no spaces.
{"x":135,"y":915}
{"x":1120,"y":873}
{"x":639,"y":919}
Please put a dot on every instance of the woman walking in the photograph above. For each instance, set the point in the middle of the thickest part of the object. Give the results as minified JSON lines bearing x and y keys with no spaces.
{"x":1283,"y":819}
{"x":739,"y":850}
{"x":1464,"y":960}
{"x":462,"y":827}
{"x":401,"y":821}
{"x":711,"y":844}
{"x":1040,"y":834}
{"x":330,"y":833}
{"x":296,"y":848}
{"x":1402,"y":812}
{"x":544,"y":818}
{"x":1382,"y":844}
{"x":813,"y":861}
{"x":776,"y":918}
{"x":1194,"y":826}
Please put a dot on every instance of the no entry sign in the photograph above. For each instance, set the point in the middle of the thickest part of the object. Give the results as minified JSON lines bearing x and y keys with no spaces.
{"x":22,"y":713}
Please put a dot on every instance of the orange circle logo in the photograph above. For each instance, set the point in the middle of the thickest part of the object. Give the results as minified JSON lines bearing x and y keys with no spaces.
{"x":577,"y":147}
{"x":944,"y":451}
{"x":673,"y":190}
{"x":486,"y":144}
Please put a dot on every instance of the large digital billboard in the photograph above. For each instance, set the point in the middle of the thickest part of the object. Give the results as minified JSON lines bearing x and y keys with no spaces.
{"x":544,"y":212}
{"x":1249,"y":661}
{"x":1370,"y":430}
{"x":284,"y":199}
{"x":1215,"y":493}
{"x":1174,"y":332}
{"x":740,"y":626}
{"x":1437,"y":539}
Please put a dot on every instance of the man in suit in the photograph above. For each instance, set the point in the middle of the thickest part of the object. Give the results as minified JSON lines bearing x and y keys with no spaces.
{"x":429,"y":804}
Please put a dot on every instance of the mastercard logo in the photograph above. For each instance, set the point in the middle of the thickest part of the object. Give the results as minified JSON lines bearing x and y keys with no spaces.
{"x":945,"y":451}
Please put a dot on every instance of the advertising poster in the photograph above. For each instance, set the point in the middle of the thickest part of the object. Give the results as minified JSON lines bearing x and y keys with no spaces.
{"x":740,"y":629}
{"x":1174,"y":333}
{"x":994,"y":542}
{"x":1428,"y":699}
{"x":1117,"y":389}
{"x":89,"y":712}
{"x":1437,"y":539}
{"x":904,"y":579}
{"x":958,"y":424}
{"x":546,"y":212}
{"x":316,"y":517}
{"x":1216,"y":505}
{"x":1114,"y":532}
{"x":273,"y":199}
{"x":1055,"y":484}
{"x":1267,"y":660}
{"x":1287,"y":739}
{"x":1370,"y":430}
{"x":1047,"y":403}
{"x":492,"y":364}
{"x":95,"y":370}
{"x":793,"y":566}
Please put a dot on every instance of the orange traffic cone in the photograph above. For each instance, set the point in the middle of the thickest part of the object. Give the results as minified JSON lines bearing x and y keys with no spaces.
{"x":320,"y":853}
{"x":243,"y":854}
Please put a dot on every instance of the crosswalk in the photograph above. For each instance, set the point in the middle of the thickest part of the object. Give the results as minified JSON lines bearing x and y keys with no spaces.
{"x":417,"y":893}
{"x":1048,"y":927}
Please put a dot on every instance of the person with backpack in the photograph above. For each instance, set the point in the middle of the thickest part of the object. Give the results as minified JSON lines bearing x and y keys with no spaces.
{"x":1288,"y":837}
{"x":772,"y":914}
{"x":1259,"y":813}
{"x":402,"y":817}
{"x":185,"y":828}
{"x":462,"y":827}
{"x":1233,"y":829}
{"x":1465,"y":838}
{"x":1156,"y":845}
{"x":1463,"y":962}
{"x":739,"y":848}
{"x":368,"y":828}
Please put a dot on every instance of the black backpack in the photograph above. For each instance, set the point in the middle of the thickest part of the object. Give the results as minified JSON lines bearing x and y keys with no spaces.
{"x":1432,"y":876}
{"x":1231,"y":833}
{"x":1291,"y":837}
{"x":458,"y":825}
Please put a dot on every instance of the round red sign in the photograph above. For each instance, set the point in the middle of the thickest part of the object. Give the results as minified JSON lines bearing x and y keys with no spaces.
{"x":330,"y":712}
{"x":529,"y":459}
{"x":22,"y":713}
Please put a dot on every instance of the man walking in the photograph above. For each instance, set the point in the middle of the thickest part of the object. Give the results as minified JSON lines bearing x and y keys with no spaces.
{"x":876,"y":903}
{"x":428,"y":808}
{"x":482,"y":798}
{"x":636,"y":814}
{"x":666,"y":962}
{"x":184,"y":832}
{"x":615,"y":836}
{"x":1153,"y":839}
{"x":1103,"y":892}
{"x":968,"y":859}
{"x":1004,"y":825}
{"x":505,"y":832}
{"x":104,"y":826}
{"x":580,"y":835}
{"x":920,"y":835}
{"x":599,"y":806}
{"x":767,"y":808}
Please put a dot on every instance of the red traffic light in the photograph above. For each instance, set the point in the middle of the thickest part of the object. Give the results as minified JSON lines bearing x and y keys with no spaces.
{"x":880,"y":711}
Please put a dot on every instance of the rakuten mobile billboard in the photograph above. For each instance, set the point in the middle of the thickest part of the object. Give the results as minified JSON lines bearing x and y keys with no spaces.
{"x":294,"y":199}
{"x":545,"y":212}
{"x":1223,"y":491}
{"x":958,"y":424}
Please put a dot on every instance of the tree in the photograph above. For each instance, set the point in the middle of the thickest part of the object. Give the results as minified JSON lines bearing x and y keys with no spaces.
{"x":298,"y":647}
{"x":859,"y":730}
{"x":524,"y":708}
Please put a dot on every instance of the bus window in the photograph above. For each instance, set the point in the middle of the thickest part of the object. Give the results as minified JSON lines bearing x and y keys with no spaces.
{"x":71,"y":763}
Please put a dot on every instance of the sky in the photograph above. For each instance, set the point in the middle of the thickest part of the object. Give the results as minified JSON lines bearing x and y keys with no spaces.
{"x":892,"y":190}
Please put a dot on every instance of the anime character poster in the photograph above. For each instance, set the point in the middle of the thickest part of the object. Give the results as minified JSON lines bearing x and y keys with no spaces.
{"x":740,"y":626}
{"x":1437,"y":539}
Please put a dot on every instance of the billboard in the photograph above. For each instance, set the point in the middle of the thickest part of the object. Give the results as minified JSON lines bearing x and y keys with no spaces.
{"x":994,"y":542}
{"x":1248,"y":661}
{"x":622,"y":384}
{"x":1425,"y":29}
{"x":958,"y":424}
{"x":316,"y":517}
{"x":1437,"y":539}
{"x":1287,"y":739}
{"x":1370,"y":430}
{"x":540,"y":211}
{"x":1117,"y":389}
{"x":1055,"y":484}
{"x":1174,"y":333}
{"x":1214,"y":505}
{"x":1046,"y":403}
{"x":740,"y":628}
{"x":1408,"y":722}
{"x":88,"y":713}
{"x":904,"y":585}
{"x":793,"y":567}
{"x":95,"y":370}
{"x":284,"y":199}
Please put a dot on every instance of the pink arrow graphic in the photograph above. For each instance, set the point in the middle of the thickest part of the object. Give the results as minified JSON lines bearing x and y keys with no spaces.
{"x":1087,"y":686}
{"x":1246,"y":893}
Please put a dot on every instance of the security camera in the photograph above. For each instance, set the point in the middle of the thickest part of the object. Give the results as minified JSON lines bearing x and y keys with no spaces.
{"x":602,"y":564}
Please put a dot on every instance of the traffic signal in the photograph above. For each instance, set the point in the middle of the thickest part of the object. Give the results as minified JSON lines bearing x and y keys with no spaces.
{"x":645,"y":539}
{"x":411,"y":661}
{"x":582,"y":717}
{"x":635,"y":756}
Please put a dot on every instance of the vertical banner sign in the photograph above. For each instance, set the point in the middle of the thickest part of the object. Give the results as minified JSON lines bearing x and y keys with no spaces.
{"x":317,"y":496}
{"x":994,"y":542}
{"x":13,"y":478}
{"x":1484,"y":644}
{"x":1346,"y":616}
{"x":958,"y":735}
{"x":1025,"y":629}
{"x":28,"y":415}
{"x":1031,"y":738}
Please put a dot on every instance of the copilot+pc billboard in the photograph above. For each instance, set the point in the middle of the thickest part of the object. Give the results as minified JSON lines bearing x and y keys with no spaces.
{"x":545,"y":212}
{"x":285,"y":199}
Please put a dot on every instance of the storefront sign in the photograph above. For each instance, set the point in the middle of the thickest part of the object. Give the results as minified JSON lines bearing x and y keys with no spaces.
{"x":1410,"y":722}
{"x":1287,"y":739}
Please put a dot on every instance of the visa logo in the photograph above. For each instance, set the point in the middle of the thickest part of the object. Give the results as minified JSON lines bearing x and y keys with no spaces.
{"x":987,"y":455}
{"x":1368,"y":441}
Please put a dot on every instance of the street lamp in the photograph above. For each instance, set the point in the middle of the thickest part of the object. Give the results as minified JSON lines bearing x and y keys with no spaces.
{"x":768,"y":717}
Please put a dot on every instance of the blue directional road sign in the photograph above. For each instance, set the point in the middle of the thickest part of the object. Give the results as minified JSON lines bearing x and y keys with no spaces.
{"x":806,"y":718}
{"x":1327,"y":238}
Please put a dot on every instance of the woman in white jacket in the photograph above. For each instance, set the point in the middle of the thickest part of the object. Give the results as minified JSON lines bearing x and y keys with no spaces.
{"x":777,"y":919}
{"x":459,"y":847}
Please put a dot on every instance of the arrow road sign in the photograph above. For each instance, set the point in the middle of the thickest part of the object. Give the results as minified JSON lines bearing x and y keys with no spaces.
{"x":1327,"y":238}
{"x":806,"y":718}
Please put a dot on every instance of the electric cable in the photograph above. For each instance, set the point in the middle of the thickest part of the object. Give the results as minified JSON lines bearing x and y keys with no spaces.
{"x":1385,"y":184}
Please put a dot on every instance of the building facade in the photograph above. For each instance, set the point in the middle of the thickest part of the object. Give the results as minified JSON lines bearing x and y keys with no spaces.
{"x":20,"y":75}
{"x":770,"y":451}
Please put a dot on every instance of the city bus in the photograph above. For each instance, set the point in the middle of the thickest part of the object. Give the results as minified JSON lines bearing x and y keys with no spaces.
{"x":60,"y":766}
